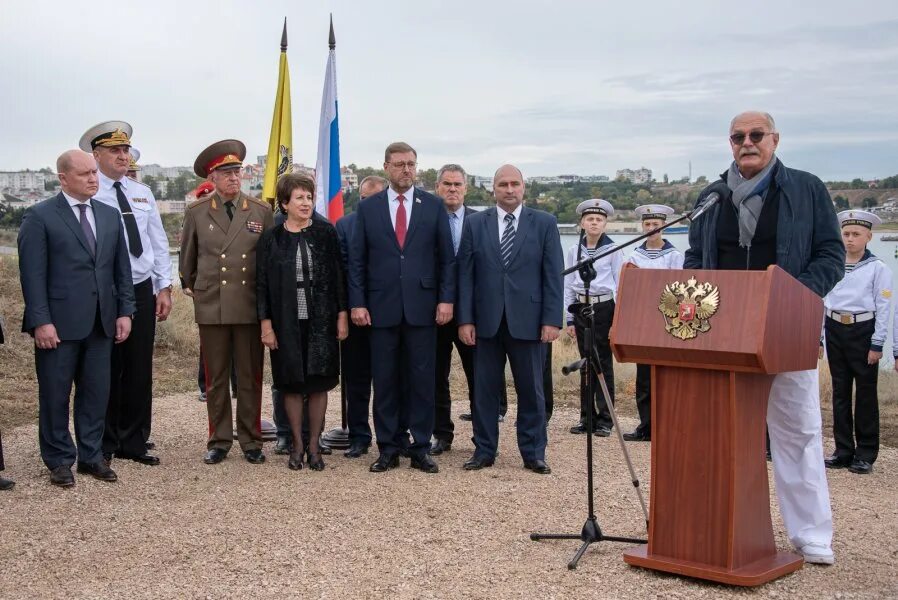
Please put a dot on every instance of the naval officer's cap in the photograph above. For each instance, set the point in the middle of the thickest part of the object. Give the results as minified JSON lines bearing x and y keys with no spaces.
{"x":654,"y":211}
{"x":226,"y":154}
{"x":107,"y":134}
{"x":859,"y":217}
{"x":135,"y":156}
{"x":595,"y":206}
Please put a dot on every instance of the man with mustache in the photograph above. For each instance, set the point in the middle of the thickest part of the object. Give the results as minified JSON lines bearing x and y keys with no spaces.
{"x":769,"y":214}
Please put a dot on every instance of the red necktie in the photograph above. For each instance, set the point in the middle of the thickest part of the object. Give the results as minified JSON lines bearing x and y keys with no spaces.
{"x":400,"y":221}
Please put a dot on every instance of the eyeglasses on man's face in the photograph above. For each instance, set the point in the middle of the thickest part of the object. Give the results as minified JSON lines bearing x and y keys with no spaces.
{"x":755,"y":136}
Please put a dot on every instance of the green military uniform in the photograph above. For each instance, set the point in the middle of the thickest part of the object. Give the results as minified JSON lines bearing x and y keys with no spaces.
{"x":218,"y":263}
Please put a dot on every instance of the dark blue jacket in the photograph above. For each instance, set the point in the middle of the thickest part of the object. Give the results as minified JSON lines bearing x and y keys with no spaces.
{"x":808,"y":240}
{"x":62,"y":282}
{"x":344,"y":226}
{"x":528,"y":292}
{"x":396,"y":283}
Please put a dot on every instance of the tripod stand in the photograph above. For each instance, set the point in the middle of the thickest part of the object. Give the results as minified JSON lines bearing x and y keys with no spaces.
{"x":590,"y":368}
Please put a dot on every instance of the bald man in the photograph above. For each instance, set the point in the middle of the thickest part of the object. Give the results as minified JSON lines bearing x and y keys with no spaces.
{"x":79,"y":298}
{"x":512,"y":256}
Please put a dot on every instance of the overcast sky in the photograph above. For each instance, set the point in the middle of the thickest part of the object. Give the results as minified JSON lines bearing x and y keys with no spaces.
{"x":584,"y":87}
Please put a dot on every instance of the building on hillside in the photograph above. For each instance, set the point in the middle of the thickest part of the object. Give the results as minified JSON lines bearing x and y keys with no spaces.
{"x":14,"y":181}
{"x":349,"y":180}
{"x":482,"y":182}
{"x":637,"y":176}
{"x":167,"y":172}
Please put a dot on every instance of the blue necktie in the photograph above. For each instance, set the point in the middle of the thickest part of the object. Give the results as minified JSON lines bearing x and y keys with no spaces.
{"x":507,"y":241}
{"x":453,"y":226}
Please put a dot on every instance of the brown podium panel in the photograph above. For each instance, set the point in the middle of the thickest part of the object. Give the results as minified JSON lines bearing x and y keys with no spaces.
{"x":710,"y":499}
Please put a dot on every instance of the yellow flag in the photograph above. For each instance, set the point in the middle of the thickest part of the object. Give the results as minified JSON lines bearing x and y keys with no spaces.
{"x":280,"y":144}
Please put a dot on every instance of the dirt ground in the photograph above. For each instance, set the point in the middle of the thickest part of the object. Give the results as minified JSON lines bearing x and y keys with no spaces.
{"x":235,"y":530}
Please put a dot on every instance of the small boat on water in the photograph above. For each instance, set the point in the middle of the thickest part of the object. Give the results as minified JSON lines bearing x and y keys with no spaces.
{"x":889,"y":238}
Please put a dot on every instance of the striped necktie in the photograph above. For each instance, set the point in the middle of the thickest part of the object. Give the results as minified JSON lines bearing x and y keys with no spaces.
{"x":507,"y":242}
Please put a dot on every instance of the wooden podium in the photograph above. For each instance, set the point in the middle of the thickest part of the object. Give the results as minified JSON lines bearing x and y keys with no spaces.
{"x":710,"y":502}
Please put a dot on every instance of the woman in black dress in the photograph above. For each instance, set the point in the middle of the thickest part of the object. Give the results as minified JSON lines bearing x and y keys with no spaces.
{"x":301,"y":299}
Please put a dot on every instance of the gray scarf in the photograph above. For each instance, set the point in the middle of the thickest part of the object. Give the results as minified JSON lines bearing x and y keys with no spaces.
{"x":748,"y":198}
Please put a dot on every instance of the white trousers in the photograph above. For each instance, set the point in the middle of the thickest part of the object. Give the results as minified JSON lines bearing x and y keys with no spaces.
{"x":796,"y":446}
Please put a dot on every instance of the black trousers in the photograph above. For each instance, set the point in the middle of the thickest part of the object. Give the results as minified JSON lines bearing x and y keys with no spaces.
{"x":548,"y":386}
{"x":644,"y":399}
{"x":2,"y":465}
{"x":601,"y":416}
{"x":84,"y":363}
{"x":355,"y":375}
{"x":447,"y":337}
{"x":847,"y":346}
{"x":129,"y":412}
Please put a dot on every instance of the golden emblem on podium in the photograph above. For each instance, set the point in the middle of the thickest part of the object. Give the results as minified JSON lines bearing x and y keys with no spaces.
{"x":687,"y":307}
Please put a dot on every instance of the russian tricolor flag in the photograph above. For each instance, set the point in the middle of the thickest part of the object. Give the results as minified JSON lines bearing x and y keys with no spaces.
{"x":329,"y":193}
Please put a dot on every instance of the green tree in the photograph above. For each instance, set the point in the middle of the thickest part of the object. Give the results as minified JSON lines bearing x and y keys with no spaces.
{"x":858,"y":184}
{"x":841,"y":203}
{"x":702,"y":180}
{"x":868,"y":202}
{"x":889,"y":182}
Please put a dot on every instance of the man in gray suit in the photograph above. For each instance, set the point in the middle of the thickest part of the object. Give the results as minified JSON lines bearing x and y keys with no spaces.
{"x":76,"y":281}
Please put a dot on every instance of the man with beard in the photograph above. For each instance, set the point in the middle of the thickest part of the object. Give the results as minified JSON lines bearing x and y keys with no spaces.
{"x":769,"y":214}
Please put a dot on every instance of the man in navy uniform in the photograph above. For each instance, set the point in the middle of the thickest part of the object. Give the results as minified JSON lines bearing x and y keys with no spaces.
{"x":855,"y":327}
{"x":129,"y":414}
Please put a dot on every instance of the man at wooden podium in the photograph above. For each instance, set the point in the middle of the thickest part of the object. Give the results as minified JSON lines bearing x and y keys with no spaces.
{"x":770,"y":214}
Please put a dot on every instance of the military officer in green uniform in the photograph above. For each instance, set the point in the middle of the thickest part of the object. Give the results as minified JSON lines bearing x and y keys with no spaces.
{"x":218,"y":266}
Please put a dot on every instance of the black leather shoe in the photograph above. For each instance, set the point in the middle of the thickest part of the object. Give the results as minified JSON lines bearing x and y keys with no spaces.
{"x":215,"y":456}
{"x":475,"y":463}
{"x":637,"y":436}
{"x":295,"y":461}
{"x":202,"y":397}
{"x":578,"y":428}
{"x":439,"y":446}
{"x":324,"y":449}
{"x":601,"y":431}
{"x":425,"y":463}
{"x":466,"y":417}
{"x":107,"y":456}
{"x":356,"y":450}
{"x":145,"y":459}
{"x":861,"y":467}
{"x":6,"y":484}
{"x":282,"y":446}
{"x":150,"y":445}
{"x":98,"y":470}
{"x":384,"y":463}
{"x":62,"y":476}
{"x":254,"y":457}
{"x":838,"y":462}
{"x":538,"y":466}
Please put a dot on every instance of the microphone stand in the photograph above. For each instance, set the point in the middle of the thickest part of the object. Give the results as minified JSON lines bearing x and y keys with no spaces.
{"x":591,"y":369}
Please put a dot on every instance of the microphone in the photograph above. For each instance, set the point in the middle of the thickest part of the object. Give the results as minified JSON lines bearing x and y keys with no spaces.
{"x":712,"y":199}
{"x":574,"y":366}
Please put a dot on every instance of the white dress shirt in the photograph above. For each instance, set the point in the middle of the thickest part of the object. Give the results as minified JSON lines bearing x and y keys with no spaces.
{"x":393,"y":202}
{"x":90,"y":212}
{"x":155,"y":261}
{"x":607,"y":273}
{"x":500,"y":214}
{"x":867,"y":288}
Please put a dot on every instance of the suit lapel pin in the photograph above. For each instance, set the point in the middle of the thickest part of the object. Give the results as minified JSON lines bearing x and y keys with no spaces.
{"x":417,"y":201}
{"x":211,"y":227}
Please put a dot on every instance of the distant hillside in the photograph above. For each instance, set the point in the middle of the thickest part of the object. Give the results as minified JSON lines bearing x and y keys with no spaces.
{"x":856,"y":197}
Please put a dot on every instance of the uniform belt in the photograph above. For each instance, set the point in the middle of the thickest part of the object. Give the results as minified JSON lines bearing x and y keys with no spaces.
{"x":847,"y":318}
{"x":594,"y":299}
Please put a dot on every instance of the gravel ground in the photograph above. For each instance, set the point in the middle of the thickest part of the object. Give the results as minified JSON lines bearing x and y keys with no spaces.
{"x":188,"y":530}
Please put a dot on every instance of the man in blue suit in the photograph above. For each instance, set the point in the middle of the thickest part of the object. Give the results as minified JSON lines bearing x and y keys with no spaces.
{"x":509,"y":304}
{"x":355,"y":350}
{"x":402,"y":284}
{"x":76,"y":281}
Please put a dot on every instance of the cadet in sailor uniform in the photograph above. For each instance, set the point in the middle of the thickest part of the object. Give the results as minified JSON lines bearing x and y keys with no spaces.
{"x":857,"y":315}
{"x":594,"y":215}
{"x":655,"y":253}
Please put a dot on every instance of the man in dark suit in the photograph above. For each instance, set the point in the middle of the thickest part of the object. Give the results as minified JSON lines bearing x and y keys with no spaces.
{"x":355,"y":350}
{"x":451,"y":187}
{"x":76,"y":281}
{"x":510,"y":304}
{"x":402,"y":284}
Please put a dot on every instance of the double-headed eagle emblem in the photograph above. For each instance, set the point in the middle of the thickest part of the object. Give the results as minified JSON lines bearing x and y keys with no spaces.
{"x":687,"y":307}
